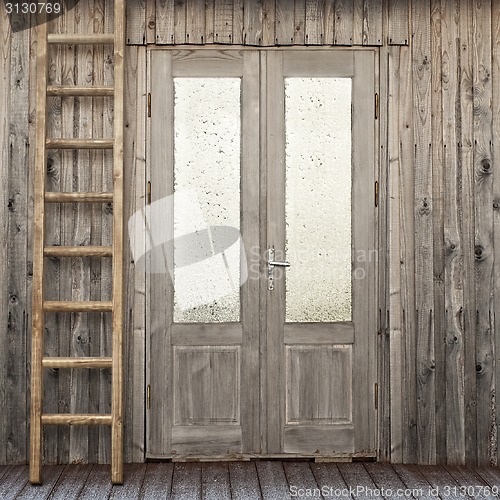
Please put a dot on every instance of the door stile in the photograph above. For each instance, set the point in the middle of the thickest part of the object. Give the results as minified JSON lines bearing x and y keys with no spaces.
{"x":161,"y":289}
{"x":365,"y":257}
{"x":275,"y":101}
{"x":250,"y":224}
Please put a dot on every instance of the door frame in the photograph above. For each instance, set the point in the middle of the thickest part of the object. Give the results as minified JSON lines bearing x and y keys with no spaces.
{"x":262,"y":317}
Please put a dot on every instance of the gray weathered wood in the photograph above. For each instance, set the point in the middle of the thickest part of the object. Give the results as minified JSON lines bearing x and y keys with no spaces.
{"x":215,"y":481}
{"x":344,"y":22}
{"x":398,"y":17}
{"x":244,"y":481}
{"x":272,"y":480}
{"x":454,"y":375}
{"x":424,"y":205}
{"x":186,"y":483}
{"x":483,"y":244}
{"x":136,"y":22}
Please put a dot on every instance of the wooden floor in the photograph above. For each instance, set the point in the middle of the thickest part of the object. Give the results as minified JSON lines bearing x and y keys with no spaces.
{"x":268,"y":480}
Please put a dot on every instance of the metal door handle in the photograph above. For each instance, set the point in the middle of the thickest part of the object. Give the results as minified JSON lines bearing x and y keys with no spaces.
{"x":271,"y":264}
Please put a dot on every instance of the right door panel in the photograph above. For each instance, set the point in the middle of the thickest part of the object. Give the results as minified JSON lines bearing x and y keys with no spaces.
{"x":321,"y":321}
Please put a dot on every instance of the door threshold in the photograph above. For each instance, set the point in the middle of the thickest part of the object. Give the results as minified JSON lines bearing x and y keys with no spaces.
{"x":244,"y":457}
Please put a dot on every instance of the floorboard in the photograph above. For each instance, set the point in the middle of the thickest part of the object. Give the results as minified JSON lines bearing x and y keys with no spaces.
{"x":157,"y":481}
{"x":98,"y":485}
{"x":244,"y":481}
{"x":186,"y":481}
{"x":42,"y":491}
{"x":355,"y":475}
{"x":253,"y":480}
{"x":272,"y":479}
{"x":131,"y":486}
{"x":13,"y":482}
{"x":71,"y":482}
{"x":215,"y":481}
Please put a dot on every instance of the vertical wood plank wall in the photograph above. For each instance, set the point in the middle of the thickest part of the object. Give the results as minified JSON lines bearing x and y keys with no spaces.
{"x":439,"y":221}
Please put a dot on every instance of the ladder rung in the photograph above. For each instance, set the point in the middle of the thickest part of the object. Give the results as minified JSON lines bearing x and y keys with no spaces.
{"x":75,"y":90}
{"x":73,"y":306}
{"x":79,"y":197}
{"x":75,"y":419}
{"x":78,"y":251}
{"x":76,"y":362}
{"x":79,"y":39}
{"x":79,"y":143}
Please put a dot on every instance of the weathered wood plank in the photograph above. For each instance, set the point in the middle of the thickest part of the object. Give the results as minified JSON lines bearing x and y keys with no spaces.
{"x":238,"y":22}
{"x":466,"y":160}
{"x":439,"y":479}
{"x":344,"y":22}
{"x":424,"y":210}
{"x":39,"y":492}
{"x":372,"y":23}
{"x":150,"y":22}
{"x":165,"y":22}
{"x":355,"y":475}
{"x":97,"y":484}
{"x":5,"y":55}
{"x":179,"y":15}
{"x":495,"y":24}
{"x":453,"y":295}
{"x":135,"y":175}
{"x":215,"y":481}
{"x":438,"y":230}
{"x":284,"y":23}
{"x":469,"y":481}
{"x":158,"y":478}
{"x":398,"y":18}
{"x":272,"y":479}
{"x":252,"y":22}
{"x":413,"y":479}
{"x":268,"y":22}
{"x":71,"y":482}
{"x":134,"y":477}
{"x":314,"y":23}
{"x":395,"y":79}
{"x":328,"y":475}
{"x":384,"y":476}
{"x":357,"y":22}
{"x":195,"y":21}
{"x":17,"y":317}
{"x":244,"y":481}
{"x":186,"y":482}
{"x":300,"y":22}
{"x":483,"y":244}
{"x":299,"y":475}
{"x":13,"y":482}
{"x":136,"y":22}
{"x":223,"y":21}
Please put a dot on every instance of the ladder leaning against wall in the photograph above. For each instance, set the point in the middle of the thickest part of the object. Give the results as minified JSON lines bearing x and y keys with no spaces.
{"x":41,"y":198}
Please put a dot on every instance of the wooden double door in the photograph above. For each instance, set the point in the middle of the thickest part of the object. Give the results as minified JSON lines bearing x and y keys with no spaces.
{"x":261,"y":268}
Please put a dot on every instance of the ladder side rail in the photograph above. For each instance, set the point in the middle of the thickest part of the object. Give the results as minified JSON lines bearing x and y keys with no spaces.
{"x":38,"y":323}
{"x":118,"y":242}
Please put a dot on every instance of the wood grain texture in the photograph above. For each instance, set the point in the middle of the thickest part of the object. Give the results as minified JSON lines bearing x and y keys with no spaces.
{"x":438,"y":230}
{"x":453,"y":258}
{"x":483,"y":244}
{"x":466,"y":162}
{"x":495,"y":40}
{"x":398,"y":18}
{"x":423,"y":210}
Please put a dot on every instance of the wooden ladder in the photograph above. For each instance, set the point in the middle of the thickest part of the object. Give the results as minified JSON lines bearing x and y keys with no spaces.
{"x":41,"y":198}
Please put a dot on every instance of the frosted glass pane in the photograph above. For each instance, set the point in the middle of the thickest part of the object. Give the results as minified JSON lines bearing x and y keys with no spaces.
{"x":207,"y":204}
{"x":318,"y":199}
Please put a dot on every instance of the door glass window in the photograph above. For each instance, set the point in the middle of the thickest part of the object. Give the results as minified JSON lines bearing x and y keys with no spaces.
{"x":207,"y":137}
{"x":318,"y":199}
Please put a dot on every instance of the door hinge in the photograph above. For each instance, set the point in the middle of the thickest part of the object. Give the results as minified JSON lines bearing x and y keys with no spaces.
{"x":148,"y":397}
{"x":376,"y":193}
{"x":376,"y":396}
{"x":149,"y":193}
{"x":149,"y":104}
{"x":376,"y":106}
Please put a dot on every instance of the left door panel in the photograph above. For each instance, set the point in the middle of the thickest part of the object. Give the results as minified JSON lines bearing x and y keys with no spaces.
{"x":202,"y":235}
